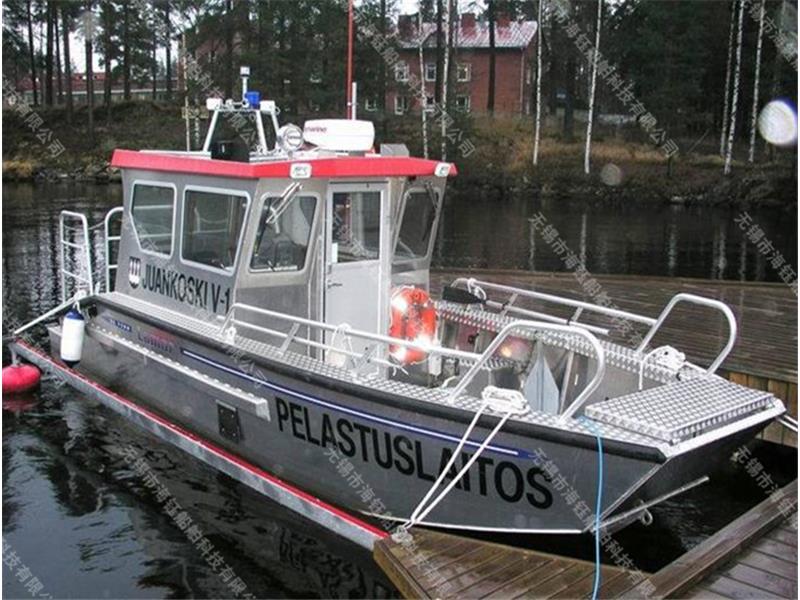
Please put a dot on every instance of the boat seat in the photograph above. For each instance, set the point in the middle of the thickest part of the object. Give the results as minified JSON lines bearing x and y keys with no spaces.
{"x":616,"y":355}
{"x":681,"y":410}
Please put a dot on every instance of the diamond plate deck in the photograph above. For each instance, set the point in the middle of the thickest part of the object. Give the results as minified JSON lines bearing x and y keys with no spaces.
{"x":681,"y":410}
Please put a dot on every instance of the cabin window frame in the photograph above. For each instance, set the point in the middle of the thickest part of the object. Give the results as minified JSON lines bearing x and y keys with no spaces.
{"x":161,"y":184}
{"x":231,"y":272}
{"x":406,"y":193}
{"x":308,"y":259}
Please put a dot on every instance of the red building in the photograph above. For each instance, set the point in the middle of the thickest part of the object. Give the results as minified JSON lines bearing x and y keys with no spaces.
{"x":514,"y":53}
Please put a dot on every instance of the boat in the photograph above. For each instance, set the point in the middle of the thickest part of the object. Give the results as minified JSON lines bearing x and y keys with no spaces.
{"x":266,"y":307}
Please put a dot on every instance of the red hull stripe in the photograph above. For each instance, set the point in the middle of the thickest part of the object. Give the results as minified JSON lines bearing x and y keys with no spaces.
{"x":343,"y":166}
{"x":287,"y":487}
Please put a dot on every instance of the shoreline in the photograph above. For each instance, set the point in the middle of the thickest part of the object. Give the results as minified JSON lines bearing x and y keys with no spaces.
{"x":756,"y":189}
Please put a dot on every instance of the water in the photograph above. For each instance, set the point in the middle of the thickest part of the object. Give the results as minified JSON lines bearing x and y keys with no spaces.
{"x":78,"y":515}
{"x":638,"y":239}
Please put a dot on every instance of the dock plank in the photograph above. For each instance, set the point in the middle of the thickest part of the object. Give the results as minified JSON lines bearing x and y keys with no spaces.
{"x":763,"y":580}
{"x":771,"y":564}
{"x":737,"y":590}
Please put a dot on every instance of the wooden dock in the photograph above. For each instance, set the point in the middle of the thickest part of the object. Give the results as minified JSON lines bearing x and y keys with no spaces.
{"x":755,"y":556}
{"x":765,"y":354}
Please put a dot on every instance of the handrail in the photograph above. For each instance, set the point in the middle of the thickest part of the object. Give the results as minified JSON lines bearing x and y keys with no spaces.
{"x":375,"y":337}
{"x":600,"y":357}
{"x":107,"y":243}
{"x":472,"y":283}
{"x":86,"y":247}
{"x":478,"y":360}
{"x":700,"y":300}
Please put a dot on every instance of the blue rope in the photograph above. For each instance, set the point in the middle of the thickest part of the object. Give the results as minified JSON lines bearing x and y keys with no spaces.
{"x":591,"y":426}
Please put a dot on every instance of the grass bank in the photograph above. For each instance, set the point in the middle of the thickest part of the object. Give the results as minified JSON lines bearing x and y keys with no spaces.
{"x":624,"y":169}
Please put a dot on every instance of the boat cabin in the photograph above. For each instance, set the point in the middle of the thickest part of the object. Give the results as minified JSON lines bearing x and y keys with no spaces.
{"x":317,"y":226}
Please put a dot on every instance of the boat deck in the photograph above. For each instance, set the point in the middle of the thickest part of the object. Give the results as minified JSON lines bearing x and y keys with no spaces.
{"x":765,"y":354}
{"x":755,"y":556}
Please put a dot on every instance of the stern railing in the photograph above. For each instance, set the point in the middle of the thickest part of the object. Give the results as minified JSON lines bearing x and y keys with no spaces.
{"x":479,"y":288}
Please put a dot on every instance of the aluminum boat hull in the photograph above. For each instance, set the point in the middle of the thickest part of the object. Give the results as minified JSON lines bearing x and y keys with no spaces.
{"x":367,"y":452}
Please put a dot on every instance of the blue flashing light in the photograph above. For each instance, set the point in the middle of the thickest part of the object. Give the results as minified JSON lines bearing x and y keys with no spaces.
{"x":253,"y":99}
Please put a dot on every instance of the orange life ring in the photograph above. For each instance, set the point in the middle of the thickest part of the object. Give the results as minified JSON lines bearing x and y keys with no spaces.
{"x":414,"y":319}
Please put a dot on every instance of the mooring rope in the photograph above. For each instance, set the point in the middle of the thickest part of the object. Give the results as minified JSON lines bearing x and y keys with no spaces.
{"x":591,"y":426}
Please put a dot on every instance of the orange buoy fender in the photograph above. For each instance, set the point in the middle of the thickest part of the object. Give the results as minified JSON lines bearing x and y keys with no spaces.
{"x":414,"y":319}
{"x":20,"y":378}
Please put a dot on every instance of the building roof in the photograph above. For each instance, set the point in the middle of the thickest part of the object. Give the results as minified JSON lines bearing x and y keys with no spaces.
{"x":514,"y":34}
{"x":371,"y":165}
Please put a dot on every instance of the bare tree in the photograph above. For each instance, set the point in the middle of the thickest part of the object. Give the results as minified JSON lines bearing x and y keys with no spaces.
{"x":593,"y":87}
{"x":723,"y":134}
{"x":424,"y":94}
{"x":537,"y":129}
{"x":754,"y":113}
{"x":735,"y":99}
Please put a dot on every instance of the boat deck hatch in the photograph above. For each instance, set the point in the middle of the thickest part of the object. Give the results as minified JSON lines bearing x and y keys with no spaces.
{"x":680,"y":410}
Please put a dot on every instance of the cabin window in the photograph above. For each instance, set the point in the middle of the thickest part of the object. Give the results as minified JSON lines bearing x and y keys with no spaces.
{"x":152,"y":212}
{"x":284,"y":233}
{"x":356,"y":226}
{"x":212,"y":227}
{"x":417,"y":225}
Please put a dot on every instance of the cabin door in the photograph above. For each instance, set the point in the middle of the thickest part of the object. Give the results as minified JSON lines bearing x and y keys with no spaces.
{"x":356,"y":277}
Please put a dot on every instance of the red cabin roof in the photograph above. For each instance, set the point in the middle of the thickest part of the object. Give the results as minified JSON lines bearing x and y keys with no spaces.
{"x":340,"y":166}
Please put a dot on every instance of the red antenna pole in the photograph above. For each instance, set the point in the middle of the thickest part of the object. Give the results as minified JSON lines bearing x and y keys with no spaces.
{"x":349,"y":59}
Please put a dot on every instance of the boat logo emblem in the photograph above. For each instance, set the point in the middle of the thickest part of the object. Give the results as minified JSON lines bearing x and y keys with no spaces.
{"x":134,"y":272}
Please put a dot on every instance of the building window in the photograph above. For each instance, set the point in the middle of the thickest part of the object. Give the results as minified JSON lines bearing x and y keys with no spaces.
{"x":212,"y":228}
{"x":370,"y":105}
{"x":528,"y":74}
{"x":462,"y":103}
{"x":284,"y":233}
{"x":401,"y":71}
{"x":400,"y":105}
{"x":430,"y":104}
{"x":152,"y":212}
{"x":430,"y":71}
{"x":464,"y":72}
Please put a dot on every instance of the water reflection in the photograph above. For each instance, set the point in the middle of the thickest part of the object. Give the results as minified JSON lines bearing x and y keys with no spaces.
{"x":641,"y":239}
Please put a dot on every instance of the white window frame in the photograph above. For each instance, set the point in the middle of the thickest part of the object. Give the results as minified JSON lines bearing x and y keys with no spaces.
{"x":370,"y":105}
{"x":428,"y":66}
{"x":468,"y":70}
{"x":430,"y":104}
{"x":468,"y":106}
{"x":401,"y":71}
{"x":397,"y":109}
{"x":162,"y":184}
{"x":231,"y":272}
